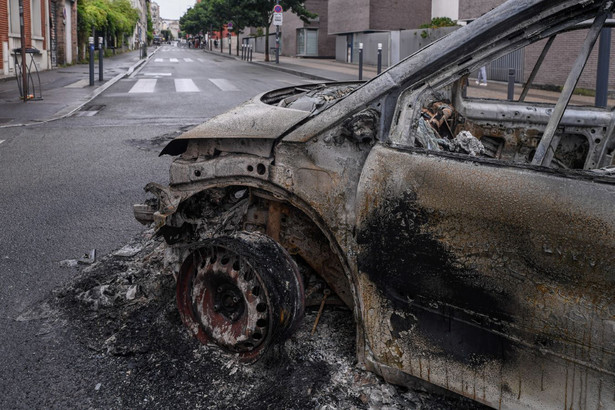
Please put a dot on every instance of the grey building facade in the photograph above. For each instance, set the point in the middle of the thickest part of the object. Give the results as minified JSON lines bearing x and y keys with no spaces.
{"x":308,"y":39}
{"x":349,"y":20}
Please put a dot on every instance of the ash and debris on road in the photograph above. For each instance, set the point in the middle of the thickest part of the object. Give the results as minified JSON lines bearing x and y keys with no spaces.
{"x":123,"y":309}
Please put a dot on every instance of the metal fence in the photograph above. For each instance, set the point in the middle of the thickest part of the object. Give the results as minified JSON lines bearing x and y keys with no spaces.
{"x":498,"y":69}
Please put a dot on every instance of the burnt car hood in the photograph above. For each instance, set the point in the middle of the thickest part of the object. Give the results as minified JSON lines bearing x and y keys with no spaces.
{"x":252,"y":119}
{"x":268,"y":115}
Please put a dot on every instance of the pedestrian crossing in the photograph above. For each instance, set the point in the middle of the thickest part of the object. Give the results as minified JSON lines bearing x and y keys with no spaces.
{"x":178,"y":60}
{"x":181,"y":85}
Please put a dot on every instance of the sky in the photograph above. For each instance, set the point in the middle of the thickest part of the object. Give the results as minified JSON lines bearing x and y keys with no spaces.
{"x":174,"y":9}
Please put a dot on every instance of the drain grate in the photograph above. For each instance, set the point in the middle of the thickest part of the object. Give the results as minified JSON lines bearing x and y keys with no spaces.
{"x":89,"y":111}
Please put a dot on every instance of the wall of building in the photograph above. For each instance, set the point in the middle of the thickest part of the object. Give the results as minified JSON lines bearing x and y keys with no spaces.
{"x":396,"y":44}
{"x":355,"y":16}
{"x":10,"y":36}
{"x":560,"y":58}
{"x":291,"y":23}
{"x":445,"y":8}
{"x":66,"y":9}
{"x":398,"y":15}
{"x":471,"y":9}
{"x":348,"y":16}
{"x":4,"y":37}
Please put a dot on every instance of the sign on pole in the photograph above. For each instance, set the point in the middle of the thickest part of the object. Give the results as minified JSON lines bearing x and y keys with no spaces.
{"x":277,"y":9}
{"x":277,"y":19}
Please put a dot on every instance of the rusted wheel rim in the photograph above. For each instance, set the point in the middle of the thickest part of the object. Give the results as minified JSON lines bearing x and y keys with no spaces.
{"x":224,"y":297}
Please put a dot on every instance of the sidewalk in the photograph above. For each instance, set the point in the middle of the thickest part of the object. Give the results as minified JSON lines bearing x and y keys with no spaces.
{"x":332,"y":70}
{"x":64,"y":90}
{"x":312,"y":68}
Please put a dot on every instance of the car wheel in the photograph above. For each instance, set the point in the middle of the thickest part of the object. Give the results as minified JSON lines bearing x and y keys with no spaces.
{"x":242,"y":292}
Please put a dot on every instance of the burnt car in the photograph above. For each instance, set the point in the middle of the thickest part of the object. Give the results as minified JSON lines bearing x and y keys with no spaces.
{"x":473,"y":238}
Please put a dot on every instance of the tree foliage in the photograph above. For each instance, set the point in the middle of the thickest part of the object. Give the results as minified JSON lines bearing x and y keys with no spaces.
{"x":438,"y":22}
{"x":117,"y":17}
{"x":243,"y":13}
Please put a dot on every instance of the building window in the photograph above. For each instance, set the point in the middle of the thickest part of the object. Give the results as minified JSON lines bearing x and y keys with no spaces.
{"x":14,"y":17}
{"x":35,"y":13}
{"x":307,"y":42}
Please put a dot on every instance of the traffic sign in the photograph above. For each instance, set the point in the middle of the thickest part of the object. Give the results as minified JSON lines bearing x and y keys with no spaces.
{"x":277,"y":9}
{"x":277,"y":19}
{"x":229,"y":26}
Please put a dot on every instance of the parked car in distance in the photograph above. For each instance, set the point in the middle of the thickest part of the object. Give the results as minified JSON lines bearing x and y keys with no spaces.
{"x":473,"y":237}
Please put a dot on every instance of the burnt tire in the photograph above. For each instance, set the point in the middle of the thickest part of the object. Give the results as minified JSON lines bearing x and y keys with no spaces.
{"x":242,"y":292}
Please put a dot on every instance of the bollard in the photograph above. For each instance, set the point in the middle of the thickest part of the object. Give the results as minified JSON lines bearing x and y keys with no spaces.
{"x":100,"y":59}
{"x":511,"y":84}
{"x":379,"y":57}
{"x":251,"y":55}
{"x":91,"y":48}
{"x":243,"y":49}
{"x":360,"y":61}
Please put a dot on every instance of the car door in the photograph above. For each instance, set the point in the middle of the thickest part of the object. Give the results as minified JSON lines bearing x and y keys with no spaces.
{"x":483,"y":273}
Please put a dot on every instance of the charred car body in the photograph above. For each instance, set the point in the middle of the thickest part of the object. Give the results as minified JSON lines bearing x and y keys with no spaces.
{"x":474,"y":239}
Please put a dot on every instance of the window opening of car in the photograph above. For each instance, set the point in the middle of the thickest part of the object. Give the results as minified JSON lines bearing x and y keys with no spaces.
{"x":548,"y":144}
{"x":434,"y":116}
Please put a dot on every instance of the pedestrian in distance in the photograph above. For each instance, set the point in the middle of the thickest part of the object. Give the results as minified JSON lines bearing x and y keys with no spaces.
{"x":481,"y":79}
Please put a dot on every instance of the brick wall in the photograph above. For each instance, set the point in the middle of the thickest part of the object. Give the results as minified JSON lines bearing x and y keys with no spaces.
{"x":347,"y":16}
{"x":398,"y":14}
{"x":4,"y":32}
{"x":27,"y":23}
{"x":560,"y":58}
{"x":355,"y":16}
{"x":471,"y":9}
{"x":60,"y":25}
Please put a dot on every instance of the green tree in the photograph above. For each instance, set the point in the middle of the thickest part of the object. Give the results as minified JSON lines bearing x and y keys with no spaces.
{"x":115,"y":17}
{"x":243,"y":13}
{"x":265,"y":10}
{"x":121,"y":19}
{"x":91,"y":15}
{"x":150,"y":27}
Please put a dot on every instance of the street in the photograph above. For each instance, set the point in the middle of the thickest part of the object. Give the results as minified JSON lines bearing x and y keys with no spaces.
{"x":67,"y":188}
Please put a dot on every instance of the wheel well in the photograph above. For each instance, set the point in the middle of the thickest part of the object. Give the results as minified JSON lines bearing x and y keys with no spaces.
{"x":235,"y":208}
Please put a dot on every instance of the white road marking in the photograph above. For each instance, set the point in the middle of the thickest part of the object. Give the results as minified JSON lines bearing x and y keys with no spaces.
{"x":157,"y":74}
{"x":223,"y":84}
{"x":202,"y":60}
{"x":145,"y":85}
{"x":185,"y":85}
{"x":158,"y":60}
{"x":188,"y":60}
{"x":173,"y":60}
{"x":78,"y":84}
{"x":1,"y":141}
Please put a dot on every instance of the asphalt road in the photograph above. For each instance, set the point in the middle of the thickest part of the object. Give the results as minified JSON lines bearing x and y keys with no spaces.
{"x":68,"y":186}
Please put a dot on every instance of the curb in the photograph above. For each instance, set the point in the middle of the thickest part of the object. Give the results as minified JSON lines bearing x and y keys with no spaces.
{"x":291,"y":71}
{"x":273,"y":67}
{"x":91,"y":96}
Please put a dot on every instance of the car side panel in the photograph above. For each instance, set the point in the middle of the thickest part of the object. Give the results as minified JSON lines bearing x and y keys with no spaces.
{"x":491,"y":280}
